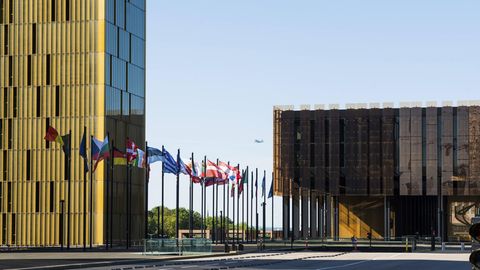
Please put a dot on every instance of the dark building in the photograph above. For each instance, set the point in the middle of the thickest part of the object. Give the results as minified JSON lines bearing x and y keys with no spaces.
{"x":389,"y":171}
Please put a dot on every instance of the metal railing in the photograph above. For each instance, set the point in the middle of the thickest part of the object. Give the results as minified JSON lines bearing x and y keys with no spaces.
{"x":189,"y":246}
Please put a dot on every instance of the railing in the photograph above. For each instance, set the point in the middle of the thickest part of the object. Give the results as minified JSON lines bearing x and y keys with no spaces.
{"x":179,"y":247}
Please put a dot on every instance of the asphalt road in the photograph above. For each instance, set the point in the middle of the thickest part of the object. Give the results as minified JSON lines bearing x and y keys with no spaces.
{"x":316,"y":260}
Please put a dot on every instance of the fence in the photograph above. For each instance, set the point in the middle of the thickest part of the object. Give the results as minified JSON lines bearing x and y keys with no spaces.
{"x":177,"y":247}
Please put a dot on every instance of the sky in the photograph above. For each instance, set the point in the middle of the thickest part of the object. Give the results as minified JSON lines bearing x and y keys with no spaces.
{"x":216,"y":68}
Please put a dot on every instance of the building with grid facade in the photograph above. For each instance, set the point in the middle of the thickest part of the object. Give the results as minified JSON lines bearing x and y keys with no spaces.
{"x":384,"y":170}
{"x":69,"y":64}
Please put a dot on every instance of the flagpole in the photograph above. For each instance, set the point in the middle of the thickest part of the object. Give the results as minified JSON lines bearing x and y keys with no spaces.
{"x":163,"y":194}
{"x":177,"y":220}
{"x":251,"y":209}
{"x":215,"y":182}
{"x":126,"y":201}
{"x":147,"y":180}
{"x":85,"y":192}
{"x":216,"y":211}
{"x":204,"y":164}
{"x":91,"y":194}
{"x":248,"y":230}
{"x":69,"y":159}
{"x":108,"y":217}
{"x":238,"y":208}
{"x":264,"y":192}
{"x":232,"y":194}
{"x":111,"y":193}
{"x":256,"y":205}
{"x":273,"y":199}
{"x":190,"y":220}
{"x":243,"y":205}
{"x":228,"y":211}
{"x":223,"y":217}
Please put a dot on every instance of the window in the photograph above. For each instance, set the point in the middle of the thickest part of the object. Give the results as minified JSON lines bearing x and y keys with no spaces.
{"x":28,"y":165}
{"x":5,"y":102}
{"x":52,"y":196}
{"x":67,"y":10}
{"x":1,"y":11}
{"x":4,"y":229}
{"x":342,"y":143}
{"x":47,"y":69}
{"x":5,"y":38}
{"x":39,"y":101}
{"x":10,"y":134}
{"x":14,"y":229}
{"x":327,"y":143}
{"x":47,"y":121}
{"x":34,"y":38}
{"x":5,"y":165}
{"x":1,"y":133}
{"x":9,"y":197}
{"x":15,"y":103}
{"x":53,"y":10}
{"x":57,"y":100}
{"x":29,"y":70}
{"x":10,"y":6}
{"x":37,"y":197}
{"x":1,"y":197}
{"x":10,"y":70}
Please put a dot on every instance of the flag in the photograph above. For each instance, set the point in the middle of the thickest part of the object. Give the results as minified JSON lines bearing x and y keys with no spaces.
{"x":194,"y":171}
{"x":52,"y":136}
{"x":131,"y":151}
{"x":96,"y":145}
{"x":104,"y":152}
{"x":263,"y":186}
{"x":215,"y":174}
{"x":155,"y":155}
{"x":232,"y":193}
{"x":232,"y":172}
{"x":240,"y":186}
{"x":270,"y":193}
{"x":252,"y":188}
{"x":182,"y":168}
{"x":83,"y":151}
{"x":119,"y":157}
{"x":66,"y":144}
{"x":169,"y":164}
{"x":140,"y":159}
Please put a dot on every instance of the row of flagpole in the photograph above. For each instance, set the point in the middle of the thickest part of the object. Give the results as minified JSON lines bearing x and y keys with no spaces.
{"x":210,"y":174}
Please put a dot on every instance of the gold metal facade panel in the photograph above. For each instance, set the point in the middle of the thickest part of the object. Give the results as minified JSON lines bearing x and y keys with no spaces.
{"x":67,"y":92}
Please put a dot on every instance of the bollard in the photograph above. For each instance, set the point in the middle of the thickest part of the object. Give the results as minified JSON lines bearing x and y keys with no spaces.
{"x":443,"y":246}
{"x":462,"y":247}
{"x":406,"y":245}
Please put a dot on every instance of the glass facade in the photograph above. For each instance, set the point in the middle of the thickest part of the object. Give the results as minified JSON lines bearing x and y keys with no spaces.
{"x":125,"y":95}
{"x":68,"y":64}
{"x":396,"y":157}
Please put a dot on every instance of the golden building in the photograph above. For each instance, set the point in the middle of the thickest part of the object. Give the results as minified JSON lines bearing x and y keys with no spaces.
{"x":69,"y":64}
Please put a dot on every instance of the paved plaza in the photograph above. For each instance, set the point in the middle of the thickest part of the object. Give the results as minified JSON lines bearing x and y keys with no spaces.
{"x":267,"y":260}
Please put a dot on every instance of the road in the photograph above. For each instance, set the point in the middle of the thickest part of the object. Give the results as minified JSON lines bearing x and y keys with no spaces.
{"x":316,"y":260}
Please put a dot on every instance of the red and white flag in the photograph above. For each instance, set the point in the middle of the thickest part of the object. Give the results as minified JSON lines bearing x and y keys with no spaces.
{"x":131,"y":149}
{"x":214,"y":172}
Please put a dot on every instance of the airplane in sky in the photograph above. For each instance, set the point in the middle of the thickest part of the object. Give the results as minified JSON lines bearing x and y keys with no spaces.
{"x":258,"y":140}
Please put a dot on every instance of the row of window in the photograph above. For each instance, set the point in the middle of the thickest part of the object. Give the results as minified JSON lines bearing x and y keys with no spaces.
{"x":122,"y":103}
{"x":128,"y":16}
{"x":124,"y":45}
{"x":38,"y":191}
{"x":12,"y":94}
{"x":53,"y":6}
{"x":4,"y":228}
{"x":125,"y":76}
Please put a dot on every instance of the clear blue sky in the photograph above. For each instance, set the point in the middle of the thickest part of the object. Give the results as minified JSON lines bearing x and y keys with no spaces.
{"x":216,"y":68}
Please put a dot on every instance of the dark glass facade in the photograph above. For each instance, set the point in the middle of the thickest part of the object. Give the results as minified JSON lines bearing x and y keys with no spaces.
{"x":390,"y":171}
{"x":125,"y":101}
